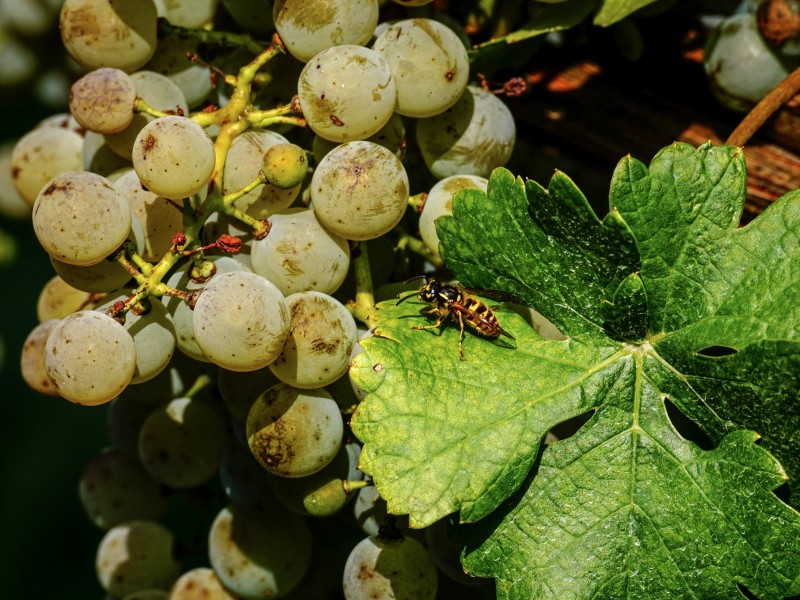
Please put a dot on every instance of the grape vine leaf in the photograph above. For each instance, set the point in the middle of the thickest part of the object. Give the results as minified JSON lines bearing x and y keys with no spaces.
{"x":615,"y":10}
{"x":664,"y":299}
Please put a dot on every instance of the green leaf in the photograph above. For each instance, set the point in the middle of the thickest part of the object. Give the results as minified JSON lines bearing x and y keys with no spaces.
{"x":665,"y":299}
{"x":515,"y":48}
{"x":616,"y":10}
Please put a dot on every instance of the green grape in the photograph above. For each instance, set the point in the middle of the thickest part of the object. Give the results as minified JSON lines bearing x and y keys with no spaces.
{"x":201,"y":583}
{"x":741,"y":66}
{"x":134,"y":556}
{"x":239,"y":389}
{"x":89,"y":357}
{"x":324,"y":493}
{"x":347,"y":93}
{"x":391,"y":136}
{"x":174,"y":157}
{"x":241,"y":321}
{"x":153,"y":334}
{"x":440,"y":202}
{"x":299,"y":254}
{"x":308,"y":27}
{"x":429,"y":64}
{"x":159,"y":92}
{"x":181,"y":442}
{"x":244,"y":161}
{"x":251,"y":15}
{"x":180,"y":375}
{"x":99,"y":157}
{"x":170,"y":60}
{"x":285,"y":166}
{"x":320,"y":342}
{"x":245,"y":482}
{"x":259,"y":555}
{"x":32,"y":364}
{"x":124,"y":419}
{"x":115,"y":488}
{"x":160,"y":219}
{"x":102,"y":100}
{"x":180,"y":312}
{"x":42,"y":154}
{"x":99,"y":33}
{"x":59,"y":299}
{"x":447,"y":555}
{"x":80,"y":218}
{"x":473,"y":137}
{"x":359,"y":191}
{"x":293,"y":432}
{"x":389,"y":568}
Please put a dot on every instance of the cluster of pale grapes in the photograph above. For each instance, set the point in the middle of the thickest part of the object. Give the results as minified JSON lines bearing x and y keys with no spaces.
{"x":211,"y":252}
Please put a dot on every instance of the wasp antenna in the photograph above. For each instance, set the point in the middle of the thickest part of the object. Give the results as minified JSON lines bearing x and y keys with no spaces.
{"x":414,"y":278}
{"x":406,"y":297}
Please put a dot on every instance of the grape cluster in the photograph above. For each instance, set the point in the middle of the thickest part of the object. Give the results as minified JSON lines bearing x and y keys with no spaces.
{"x":212,"y":259}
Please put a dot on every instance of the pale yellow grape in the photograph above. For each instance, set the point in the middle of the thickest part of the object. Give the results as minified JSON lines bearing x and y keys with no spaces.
{"x":171,"y":60}
{"x":359,"y":191}
{"x":40,"y":155}
{"x":12,"y":204}
{"x":181,"y":442}
{"x":153,"y":334}
{"x":99,"y":157}
{"x":473,"y":137}
{"x":174,"y":157}
{"x":32,"y":363}
{"x":102,"y":100}
{"x":134,"y":556}
{"x":299,"y":254}
{"x":440,"y":202}
{"x":61,"y":121}
{"x":293,"y":432}
{"x":79,"y":218}
{"x":59,"y":299}
{"x":115,"y":488}
{"x":244,"y":161}
{"x":241,"y":321}
{"x":89,"y":357}
{"x":308,"y":27}
{"x":109,"y":33}
{"x":191,"y":14}
{"x":201,"y":583}
{"x":157,"y":91}
{"x":182,"y":316}
{"x":429,"y":65}
{"x":259,"y":555}
{"x":391,"y":136}
{"x":347,"y":93}
{"x":320,"y":342}
{"x":160,"y":219}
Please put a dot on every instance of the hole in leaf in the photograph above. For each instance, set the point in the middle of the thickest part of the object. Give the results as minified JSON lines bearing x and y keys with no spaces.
{"x":688,"y":429}
{"x":783,"y":492}
{"x":567,"y":428}
{"x":717,"y":351}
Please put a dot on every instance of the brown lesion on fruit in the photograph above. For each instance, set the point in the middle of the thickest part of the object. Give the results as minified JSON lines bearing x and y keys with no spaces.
{"x":148,"y":144}
{"x":336,"y":120}
{"x":323,"y":346}
{"x":56,"y":187}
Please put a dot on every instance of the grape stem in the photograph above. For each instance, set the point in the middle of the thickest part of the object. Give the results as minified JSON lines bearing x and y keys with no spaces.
{"x":365,"y":298}
{"x":143,"y":107}
{"x":765,"y":109}
{"x":417,"y":201}
{"x":354,"y":484}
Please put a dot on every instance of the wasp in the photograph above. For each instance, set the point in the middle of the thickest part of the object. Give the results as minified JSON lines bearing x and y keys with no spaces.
{"x":456,"y":302}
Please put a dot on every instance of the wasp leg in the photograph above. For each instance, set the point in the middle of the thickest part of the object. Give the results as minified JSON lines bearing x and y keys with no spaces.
{"x":436,"y":325}
{"x":461,"y":336}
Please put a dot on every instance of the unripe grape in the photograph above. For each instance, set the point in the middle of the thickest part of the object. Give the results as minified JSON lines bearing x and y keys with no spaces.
{"x":173,"y":157}
{"x":292,"y":432}
{"x":429,"y":65}
{"x":80,"y":218}
{"x":102,"y":100}
{"x":359,"y":190}
{"x":347,"y":93}
{"x":285,"y":165}
{"x":90,"y":358}
{"x":134,"y":556}
{"x":99,"y":33}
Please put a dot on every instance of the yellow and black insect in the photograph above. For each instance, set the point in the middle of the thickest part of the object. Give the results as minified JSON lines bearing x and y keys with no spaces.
{"x":454,"y":301}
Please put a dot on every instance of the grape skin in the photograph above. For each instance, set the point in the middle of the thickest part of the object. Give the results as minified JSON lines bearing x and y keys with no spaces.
{"x":40,"y":155}
{"x":440,"y":202}
{"x":102,"y":100}
{"x":32,"y":363}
